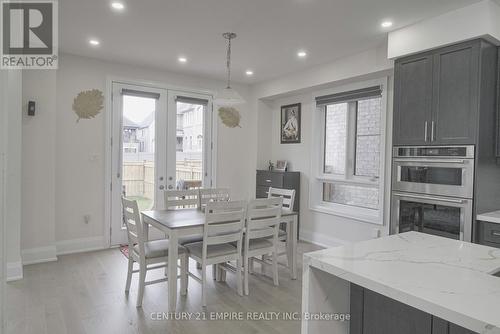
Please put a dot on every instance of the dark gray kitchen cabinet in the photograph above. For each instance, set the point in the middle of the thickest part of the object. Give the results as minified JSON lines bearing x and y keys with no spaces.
{"x":412,"y":99}
{"x":373,"y":313}
{"x":445,"y":106}
{"x":455,"y":94}
{"x":440,"y":326}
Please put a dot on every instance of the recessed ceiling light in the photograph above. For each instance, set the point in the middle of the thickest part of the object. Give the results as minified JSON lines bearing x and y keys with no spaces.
{"x":182,"y":60}
{"x":249,"y":72}
{"x":117,"y":5}
{"x":386,"y":24}
{"x":301,"y":54}
{"x":94,"y":42}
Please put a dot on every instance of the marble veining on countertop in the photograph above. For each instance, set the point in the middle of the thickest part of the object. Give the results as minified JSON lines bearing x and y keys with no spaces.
{"x":444,"y":277}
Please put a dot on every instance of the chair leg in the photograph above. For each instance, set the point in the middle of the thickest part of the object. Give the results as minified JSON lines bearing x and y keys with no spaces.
{"x":275,"y":266}
{"x":204,"y":286}
{"x":238,"y":276}
{"x":184,"y":274}
{"x":246,"y":269}
{"x":250,"y":265}
{"x":142,"y":281}
{"x":129,"y":274}
{"x":262,"y":267}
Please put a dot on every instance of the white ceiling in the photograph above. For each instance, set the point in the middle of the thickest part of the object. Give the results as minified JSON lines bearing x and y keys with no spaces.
{"x":270,"y":32}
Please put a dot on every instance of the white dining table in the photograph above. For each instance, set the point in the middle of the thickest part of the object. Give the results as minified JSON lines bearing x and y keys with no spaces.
{"x":186,"y":222}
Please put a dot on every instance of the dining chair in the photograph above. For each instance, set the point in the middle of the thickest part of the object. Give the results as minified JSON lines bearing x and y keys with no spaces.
{"x":180,"y":200}
{"x":261,"y":234}
{"x":149,"y":255}
{"x":288,"y":196}
{"x":224,"y":225}
{"x":213,"y":195}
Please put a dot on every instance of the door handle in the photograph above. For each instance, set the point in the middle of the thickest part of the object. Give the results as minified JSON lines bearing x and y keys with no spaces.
{"x":432,"y":198}
{"x":432,"y":131}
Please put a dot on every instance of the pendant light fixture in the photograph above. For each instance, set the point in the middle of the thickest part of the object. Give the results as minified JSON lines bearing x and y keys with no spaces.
{"x":228,"y":96}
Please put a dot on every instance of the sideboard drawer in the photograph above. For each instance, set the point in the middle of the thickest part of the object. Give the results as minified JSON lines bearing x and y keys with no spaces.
{"x":489,"y":234}
{"x":262,"y":192}
{"x":269,"y":179}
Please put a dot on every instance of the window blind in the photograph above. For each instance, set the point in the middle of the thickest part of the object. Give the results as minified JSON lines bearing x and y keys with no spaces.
{"x":353,"y":95}
{"x":140,"y":93}
{"x":191,"y":100}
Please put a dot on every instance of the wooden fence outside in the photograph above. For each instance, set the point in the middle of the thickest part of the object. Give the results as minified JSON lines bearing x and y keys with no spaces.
{"x":138,"y":176}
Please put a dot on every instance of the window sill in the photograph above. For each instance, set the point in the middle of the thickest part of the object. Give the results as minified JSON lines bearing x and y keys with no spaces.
{"x":358,"y":214}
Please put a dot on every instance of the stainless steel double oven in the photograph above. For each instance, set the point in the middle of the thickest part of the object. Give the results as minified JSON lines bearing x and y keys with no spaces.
{"x":432,"y":190}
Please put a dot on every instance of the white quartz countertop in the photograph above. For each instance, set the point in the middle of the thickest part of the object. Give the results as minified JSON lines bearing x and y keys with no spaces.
{"x":444,"y":277}
{"x":492,"y":217}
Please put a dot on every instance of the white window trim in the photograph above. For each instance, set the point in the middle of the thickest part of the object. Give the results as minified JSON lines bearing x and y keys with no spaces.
{"x":316,"y":203}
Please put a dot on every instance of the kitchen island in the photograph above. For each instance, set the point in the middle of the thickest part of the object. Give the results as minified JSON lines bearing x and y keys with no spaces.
{"x":427,"y":283}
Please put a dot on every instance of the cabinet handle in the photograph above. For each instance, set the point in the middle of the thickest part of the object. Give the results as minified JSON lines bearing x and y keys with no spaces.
{"x":268,"y":181}
{"x":495,"y":233}
{"x":425,"y":130}
{"x":432,"y":131}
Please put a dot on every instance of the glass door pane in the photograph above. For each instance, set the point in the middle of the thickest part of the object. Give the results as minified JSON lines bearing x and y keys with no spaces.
{"x":433,"y":219}
{"x":138,"y":155}
{"x":189,"y":145}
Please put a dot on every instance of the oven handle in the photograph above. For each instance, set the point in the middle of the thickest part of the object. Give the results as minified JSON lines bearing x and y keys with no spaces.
{"x":441,"y":161}
{"x":440,"y":199}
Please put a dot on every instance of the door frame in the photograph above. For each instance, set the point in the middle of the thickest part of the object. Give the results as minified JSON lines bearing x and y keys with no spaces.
{"x":108,"y":134}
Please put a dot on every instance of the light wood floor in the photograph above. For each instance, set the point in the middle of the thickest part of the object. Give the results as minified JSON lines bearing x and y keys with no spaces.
{"x":84,"y":293}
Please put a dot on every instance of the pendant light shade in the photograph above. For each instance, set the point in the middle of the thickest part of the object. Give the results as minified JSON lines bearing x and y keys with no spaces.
{"x":228,"y":96}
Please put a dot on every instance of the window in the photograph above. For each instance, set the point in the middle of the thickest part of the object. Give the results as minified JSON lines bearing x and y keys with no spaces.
{"x":349,"y":152}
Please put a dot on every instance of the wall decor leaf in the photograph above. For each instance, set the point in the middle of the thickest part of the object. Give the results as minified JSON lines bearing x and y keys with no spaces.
{"x":88,"y":104}
{"x":230,"y":117}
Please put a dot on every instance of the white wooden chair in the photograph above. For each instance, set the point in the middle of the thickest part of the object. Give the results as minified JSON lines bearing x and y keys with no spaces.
{"x":148,"y":254}
{"x":288,"y":196}
{"x":261,"y":234}
{"x":182,"y":199}
{"x":224,"y":225}
{"x":213,"y":195}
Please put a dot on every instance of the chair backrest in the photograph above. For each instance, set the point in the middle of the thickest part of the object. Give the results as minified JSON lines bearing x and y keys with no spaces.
{"x":133,"y":222}
{"x":224,"y":223}
{"x":213,"y":195}
{"x":181,"y":199}
{"x":263,"y":218}
{"x":288,"y":196}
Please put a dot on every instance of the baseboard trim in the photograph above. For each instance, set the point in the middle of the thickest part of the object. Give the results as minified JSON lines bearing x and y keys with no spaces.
{"x":321,"y":239}
{"x":38,"y":255}
{"x":82,"y":245}
{"x":14,"y":271}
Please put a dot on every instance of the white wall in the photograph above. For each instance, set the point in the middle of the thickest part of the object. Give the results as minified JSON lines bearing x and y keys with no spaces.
{"x":321,"y":228}
{"x":3,"y":122}
{"x":38,"y":168}
{"x":78,"y":153}
{"x":478,"y":20}
{"x":12,"y":141}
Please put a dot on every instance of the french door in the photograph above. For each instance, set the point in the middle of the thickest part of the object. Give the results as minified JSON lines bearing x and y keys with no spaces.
{"x":161,"y":139}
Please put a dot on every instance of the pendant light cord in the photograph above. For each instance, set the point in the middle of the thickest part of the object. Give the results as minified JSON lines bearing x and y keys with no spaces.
{"x":228,"y":63}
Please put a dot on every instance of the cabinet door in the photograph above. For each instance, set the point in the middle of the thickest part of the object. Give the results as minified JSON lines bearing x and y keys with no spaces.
{"x":455,"y":94}
{"x":412,"y":100}
{"x":455,"y":329}
{"x":383,"y":315}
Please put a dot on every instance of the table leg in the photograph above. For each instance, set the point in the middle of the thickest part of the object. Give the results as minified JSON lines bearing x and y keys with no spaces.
{"x":293,"y":242}
{"x":172,"y":272}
